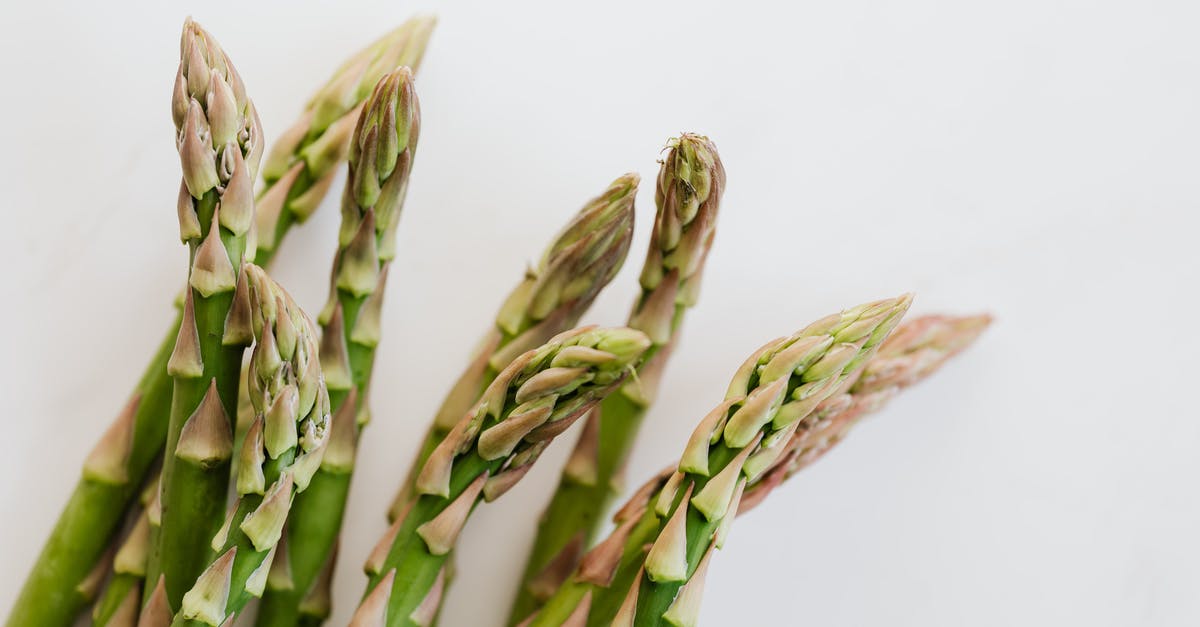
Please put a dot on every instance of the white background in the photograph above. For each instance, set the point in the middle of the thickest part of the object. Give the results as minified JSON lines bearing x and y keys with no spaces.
{"x":1035,"y":158}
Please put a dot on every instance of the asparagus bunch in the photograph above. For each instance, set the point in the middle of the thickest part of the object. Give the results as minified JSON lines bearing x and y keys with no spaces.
{"x":687,"y":515}
{"x":577,"y":265}
{"x":70,"y":569}
{"x":303,"y":162}
{"x":220,"y":145}
{"x":690,"y":183}
{"x":381,"y":156}
{"x":282,"y":451}
{"x":537,"y":396}
{"x":916,"y":349}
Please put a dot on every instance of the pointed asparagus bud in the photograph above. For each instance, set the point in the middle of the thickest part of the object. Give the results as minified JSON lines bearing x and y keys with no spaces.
{"x":374,"y":563}
{"x":579,"y":615}
{"x":757,"y":410}
{"x":343,"y":440}
{"x":500,"y":440}
{"x":131,"y":557}
{"x":427,"y":611}
{"x":358,"y":272}
{"x":581,"y":465}
{"x":91,"y":583}
{"x":257,"y":581}
{"x":207,"y":437}
{"x":372,"y":612}
{"x":265,"y":524}
{"x":306,"y":204}
{"x":250,"y":479}
{"x":126,"y":614}
{"x":279,"y":426}
{"x":441,"y":533}
{"x":280,"y":575}
{"x":715,"y":497}
{"x":666,"y":498}
{"x":656,"y":313}
{"x":335,"y":356}
{"x":542,"y":586}
{"x":366,"y":330}
{"x":685,"y":610}
{"x":269,"y":208}
{"x":196,"y":154}
{"x":599,"y":565}
{"x":695,"y":454}
{"x":206,"y":600}
{"x":667,"y":559}
{"x":185,"y":359}
{"x":157,"y":612}
{"x":627,"y":613}
{"x":239,"y":329}
{"x":222,"y":535}
{"x":189,"y":224}
{"x":237,"y":202}
{"x":108,"y":461}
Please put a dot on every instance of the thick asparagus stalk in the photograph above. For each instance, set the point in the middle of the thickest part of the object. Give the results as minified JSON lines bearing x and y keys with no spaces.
{"x":536,"y":397}
{"x":683,"y":518}
{"x":282,"y":451}
{"x":220,"y":145}
{"x":58,"y":585}
{"x":582,"y":259}
{"x":381,"y":156}
{"x":690,"y":183}
{"x":304,"y":161}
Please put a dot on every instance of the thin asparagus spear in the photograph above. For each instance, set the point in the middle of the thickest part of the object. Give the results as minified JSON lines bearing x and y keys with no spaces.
{"x":690,"y":184}
{"x":121,"y":601}
{"x":282,"y":451}
{"x":535,"y":398}
{"x":583,"y":258}
{"x":304,"y":161}
{"x":56,"y":591}
{"x":684,"y":517}
{"x":381,"y":158}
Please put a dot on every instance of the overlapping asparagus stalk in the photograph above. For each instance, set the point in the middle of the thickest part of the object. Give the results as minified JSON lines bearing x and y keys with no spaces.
{"x":71,"y":566}
{"x":690,"y":183}
{"x":304,"y":160}
{"x":580,"y":262}
{"x":220,"y":145}
{"x":537,"y":396}
{"x":120,"y":603}
{"x":381,"y":156}
{"x":684,"y":517}
{"x":282,"y":452}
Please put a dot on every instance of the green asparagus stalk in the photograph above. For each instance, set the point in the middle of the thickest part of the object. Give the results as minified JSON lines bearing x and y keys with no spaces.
{"x":912,"y":353}
{"x":535,"y":398}
{"x":580,"y":262}
{"x":220,"y":145}
{"x":381,"y":158}
{"x":282,"y":451}
{"x":60,"y":583}
{"x":121,"y":601}
{"x":683,"y":518}
{"x":690,"y":183}
{"x":304,"y":160}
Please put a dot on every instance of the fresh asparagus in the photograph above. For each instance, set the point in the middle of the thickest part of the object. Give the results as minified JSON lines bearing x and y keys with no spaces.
{"x":381,"y":156}
{"x":59,"y":584}
{"x":536,"y":397}
{"x":685,"y":516}
{"x":578,"y":264}
{"x":690,"y":183}
{"x":220,"y":145}
{"x":121,"y":601}
{"x":282,"y":451}
{"x":304,"y":160}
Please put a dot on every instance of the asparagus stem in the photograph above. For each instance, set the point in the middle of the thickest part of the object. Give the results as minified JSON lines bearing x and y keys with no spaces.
{"x":282,"y":451}
{"x":380,"y":161}
{"x":220,"y":145}
{"x":686,"y":516}
{"x":102,"y":497}
{"x":536,"y":397}
{"x":577,"y":265}
{"x":690,"y":184}
{"x":120,"y":602}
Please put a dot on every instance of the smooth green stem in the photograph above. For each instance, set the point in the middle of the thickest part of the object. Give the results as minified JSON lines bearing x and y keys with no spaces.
{"x":114,"y":594}
{"x":193,"y":497}
{"x":93,"y":515}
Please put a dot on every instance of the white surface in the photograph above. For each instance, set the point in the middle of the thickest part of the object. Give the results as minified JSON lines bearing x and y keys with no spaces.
{"x":1035,"y":158}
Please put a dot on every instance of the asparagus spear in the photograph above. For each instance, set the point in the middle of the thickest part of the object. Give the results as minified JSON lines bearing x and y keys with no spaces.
{"x":690,"y":183}
{"x":685,"y":516}
{"x":59,"y":585}
{"x":582,"y":259}
{"x":121,"y":601}
{"x":303,"y":162}
{"x":282,"y":451}
{"x":381,"y":158}
{"x":536,"y":397}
